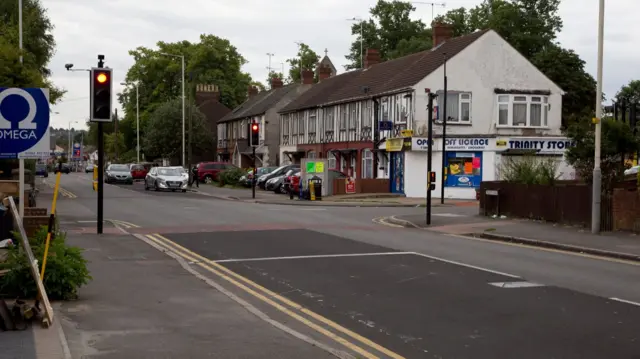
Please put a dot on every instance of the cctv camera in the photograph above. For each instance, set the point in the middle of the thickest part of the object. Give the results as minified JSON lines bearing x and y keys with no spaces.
{"x":68,"y":66}
{"x":100,"y":57}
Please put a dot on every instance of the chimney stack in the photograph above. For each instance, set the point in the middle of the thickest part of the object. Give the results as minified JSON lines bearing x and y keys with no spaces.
{"x":324,"y":72}
{"x":276,"y":83}
{"x":441,"y":33}
{"x":371,"y":57}
{"x":307,"y":77}
{"x":252,"y":91}
{"x":206,"y":92}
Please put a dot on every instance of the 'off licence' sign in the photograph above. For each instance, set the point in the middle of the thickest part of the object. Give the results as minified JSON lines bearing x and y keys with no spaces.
{"x":466,"y":144}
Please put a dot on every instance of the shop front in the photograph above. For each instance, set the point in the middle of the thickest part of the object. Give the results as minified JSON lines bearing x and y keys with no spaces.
{"x":396,"y":148}
{"x":549,"y":147}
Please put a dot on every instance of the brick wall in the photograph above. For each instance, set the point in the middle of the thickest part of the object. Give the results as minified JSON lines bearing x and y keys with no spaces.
{"x":626,"y":209}
{"x":33,"y":223}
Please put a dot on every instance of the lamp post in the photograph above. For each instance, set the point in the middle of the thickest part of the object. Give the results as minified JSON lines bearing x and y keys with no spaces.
{"x":137,"y":118}
{"x":597,"y":172}
{"x":69,"y":154}
{"x":184,"y":160}
{"x":361,"y":40}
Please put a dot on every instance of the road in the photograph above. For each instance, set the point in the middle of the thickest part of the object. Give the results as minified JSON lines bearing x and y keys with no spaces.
{"x":382,"y":291}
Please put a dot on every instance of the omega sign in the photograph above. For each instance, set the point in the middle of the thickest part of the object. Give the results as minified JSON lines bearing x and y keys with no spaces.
{"x":467,"y":144}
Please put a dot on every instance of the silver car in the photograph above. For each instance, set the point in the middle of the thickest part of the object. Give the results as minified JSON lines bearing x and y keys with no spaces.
{"x":166,"y":178}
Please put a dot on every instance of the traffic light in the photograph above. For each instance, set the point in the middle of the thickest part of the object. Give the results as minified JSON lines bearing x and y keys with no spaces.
{"x":254,"y":136}
{"x":101,"y":87}
{"x":432,"y":181}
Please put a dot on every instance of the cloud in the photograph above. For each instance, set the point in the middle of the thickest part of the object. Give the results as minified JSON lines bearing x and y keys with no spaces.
{"x":85,"y":29}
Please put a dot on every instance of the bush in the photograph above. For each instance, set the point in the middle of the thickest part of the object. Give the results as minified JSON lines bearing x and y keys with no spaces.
{"x":65,"y":273}
{"x":529,"y":170}
{"x":231,"y":177}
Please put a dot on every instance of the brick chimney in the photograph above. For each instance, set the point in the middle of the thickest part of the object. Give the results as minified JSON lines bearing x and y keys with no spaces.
{"x":252,"y":91}
{"x":441,"y":33}
{"x":324,"y":72}
{"x":371,"y":57}
{"x":276,"y":83}
{"x":206,"y":92}
{"x":307,"y":77}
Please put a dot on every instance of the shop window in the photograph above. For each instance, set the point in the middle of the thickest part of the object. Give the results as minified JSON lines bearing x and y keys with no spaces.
{"x":464,"y":169}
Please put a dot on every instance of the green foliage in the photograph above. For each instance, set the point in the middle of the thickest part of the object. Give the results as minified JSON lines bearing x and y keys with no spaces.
{"x":277,"y":75}
{"x":529,"y":169}
{"x":307,"y":57}
{"x":38,"y":43}
{"x":630,"y":92}
{"x":163,"y":131}
{"x":230,"y":176}
{"x":114,"y":145}
{"x":65,"y":273}
{"x":617,"y":141}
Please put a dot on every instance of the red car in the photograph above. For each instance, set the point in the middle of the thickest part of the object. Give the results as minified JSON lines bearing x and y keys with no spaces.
{"x":138,"y":171}
{"x":208,"y":171}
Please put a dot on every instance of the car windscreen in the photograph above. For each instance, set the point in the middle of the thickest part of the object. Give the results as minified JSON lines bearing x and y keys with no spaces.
{"x":118,"y":168}
{"x":137,"y":167}
{"x":169,"y":172}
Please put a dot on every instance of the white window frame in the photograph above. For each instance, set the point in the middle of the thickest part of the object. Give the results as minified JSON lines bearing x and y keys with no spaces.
{"x":343,"y":115}
{"x":331,"y":160}
{"x":301,"y":123}
{"x":461,"y":99}
{"x":367,"y":159}
{"x":329,"y":122}
{"x":366,"y":114}
{"x":311,"y":154}
{"x":509,"y":100}
{"x":353,"y":116}
{"x":312,"y":128}
{"x":243,"y":129}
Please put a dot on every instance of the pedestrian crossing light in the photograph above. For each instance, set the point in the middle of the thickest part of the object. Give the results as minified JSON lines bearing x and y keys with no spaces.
{"x":432,"y":181}
{"x":254,"y":138}
{"x":101,"y":95}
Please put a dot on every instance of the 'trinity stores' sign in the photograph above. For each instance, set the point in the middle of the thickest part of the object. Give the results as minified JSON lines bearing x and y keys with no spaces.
{"x":541,"y":145}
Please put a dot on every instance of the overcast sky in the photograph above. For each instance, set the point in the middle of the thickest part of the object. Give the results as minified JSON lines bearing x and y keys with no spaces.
{"x":85,"y":28}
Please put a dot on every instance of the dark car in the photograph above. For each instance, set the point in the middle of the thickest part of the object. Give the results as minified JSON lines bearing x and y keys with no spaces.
{"x":118,"y":174}
{"x":42,"y":170}
{"x":280,"y":171}
{"x":209,"y":171}
{"x":65,"y":168}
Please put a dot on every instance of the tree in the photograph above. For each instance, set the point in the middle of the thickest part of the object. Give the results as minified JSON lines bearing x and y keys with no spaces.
{"x":629,"y":93}
{"x":618,"y":140}
{"x":307,"y":57}
{"x":114,"y":145}
{"x":165,"y":123}
{"x":38,"y":43}
{"x":391,"y":31}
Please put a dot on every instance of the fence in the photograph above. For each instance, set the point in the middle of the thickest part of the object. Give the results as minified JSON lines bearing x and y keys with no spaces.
{"x":365,"y":185}
{"x":566,"y":202}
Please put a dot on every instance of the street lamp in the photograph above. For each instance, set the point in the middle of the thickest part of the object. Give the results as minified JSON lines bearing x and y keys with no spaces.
{"x":361,"y":39}
{"x":69,"y":67}
{"x":597,"y":172}
{"x":184,"y":161}
{"x":69,"y":133}
{"x":137,"y":118}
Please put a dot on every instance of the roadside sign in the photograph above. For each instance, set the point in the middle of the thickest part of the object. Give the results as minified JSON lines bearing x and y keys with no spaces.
{"x":77,"y":152}
{"x":350,"y":185}
{"x":24,"y":123}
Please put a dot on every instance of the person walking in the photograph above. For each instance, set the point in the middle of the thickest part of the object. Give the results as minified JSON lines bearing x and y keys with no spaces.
{"x":194,"y":177}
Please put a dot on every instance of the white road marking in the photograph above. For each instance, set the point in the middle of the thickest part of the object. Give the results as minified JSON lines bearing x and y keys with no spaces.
{"x":449,"y":215}
{"x":466,"y":265}
{"x":312,"y":257}
{"x":625,"y":301}
{"x":87,"y":221}
{"x":510,"y":285}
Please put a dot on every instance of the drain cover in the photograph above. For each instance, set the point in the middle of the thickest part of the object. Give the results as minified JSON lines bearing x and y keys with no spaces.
{"x":516,"y":284}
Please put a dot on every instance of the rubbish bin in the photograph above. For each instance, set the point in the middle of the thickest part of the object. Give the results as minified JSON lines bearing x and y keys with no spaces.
{"x":315,"y":185}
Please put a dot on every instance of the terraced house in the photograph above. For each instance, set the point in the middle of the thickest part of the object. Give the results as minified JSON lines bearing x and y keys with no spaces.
{"x":372,"y":123}
{"x":260,"y":107}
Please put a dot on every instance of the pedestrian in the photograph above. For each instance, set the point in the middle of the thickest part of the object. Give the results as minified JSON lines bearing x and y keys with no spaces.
{"x":194,"y":177}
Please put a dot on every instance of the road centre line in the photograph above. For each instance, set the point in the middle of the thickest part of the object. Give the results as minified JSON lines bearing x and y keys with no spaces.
{"x":218,"y":269}
{"x":311,"y":257}
{"x":625,"y":301}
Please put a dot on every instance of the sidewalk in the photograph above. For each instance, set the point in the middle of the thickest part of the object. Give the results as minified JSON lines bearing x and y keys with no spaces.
{"x":349,"y":200}
{"x":620,"y":245}
{"x":144,"y":304}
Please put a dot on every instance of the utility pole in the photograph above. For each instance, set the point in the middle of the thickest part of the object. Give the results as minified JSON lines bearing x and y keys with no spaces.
{"x":433,"y":4}
{"x":189,"y":144}
{"x":597,"y":172}
{"x":361,"y":39}
{"x":115,"y":131}
{"x":444,"y":133}
{"x":429,"y":152}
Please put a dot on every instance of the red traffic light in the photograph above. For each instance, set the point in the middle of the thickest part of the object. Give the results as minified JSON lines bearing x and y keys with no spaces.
{"x":254,"y":127}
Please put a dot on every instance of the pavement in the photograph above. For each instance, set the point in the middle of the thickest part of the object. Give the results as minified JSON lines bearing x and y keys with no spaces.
{"x":621,"y":245}
{"x":342,"y":281}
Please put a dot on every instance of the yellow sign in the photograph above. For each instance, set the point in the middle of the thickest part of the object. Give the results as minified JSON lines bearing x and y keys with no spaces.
{"x":395,"y":144}
{"x":95,"y":178}
{"x":406,"y":133}
{"x":501,"y":143}
{"x":312,"y":191}
{"x":319,"y":167}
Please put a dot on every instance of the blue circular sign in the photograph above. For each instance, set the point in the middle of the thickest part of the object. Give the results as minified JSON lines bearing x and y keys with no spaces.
{"x":24,"y":118}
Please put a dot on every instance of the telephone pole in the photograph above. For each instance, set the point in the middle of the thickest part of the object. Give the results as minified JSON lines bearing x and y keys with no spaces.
{"x":433,"y":5}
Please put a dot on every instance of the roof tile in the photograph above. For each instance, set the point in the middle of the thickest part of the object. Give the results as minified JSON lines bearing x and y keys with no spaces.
{"x":259,"y":103}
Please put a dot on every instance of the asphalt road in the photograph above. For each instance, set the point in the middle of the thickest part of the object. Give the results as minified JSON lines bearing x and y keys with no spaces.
{"x":446,"y":301}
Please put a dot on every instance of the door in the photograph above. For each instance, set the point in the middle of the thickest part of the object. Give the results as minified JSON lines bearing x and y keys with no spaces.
{"x":397,"y":172}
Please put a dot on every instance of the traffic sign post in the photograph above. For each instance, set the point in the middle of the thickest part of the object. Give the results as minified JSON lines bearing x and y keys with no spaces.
{"x":24,"y":128}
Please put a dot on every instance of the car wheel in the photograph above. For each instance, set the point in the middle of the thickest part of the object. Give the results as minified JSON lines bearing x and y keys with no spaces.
{"x":208,"y":179}
{"x":155,"y":186}
{"x":184,"y":191}
{"x":279,"y":189}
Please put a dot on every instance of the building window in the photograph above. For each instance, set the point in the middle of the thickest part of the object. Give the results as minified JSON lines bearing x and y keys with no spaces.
{"x":328,"y":120}
{"x":458,"y":107}
{"x":367,"y":164}
{"x":311,"y":154}
{"x":464,"y":169}
{"x":243,"y":129}
{"x":366,"y":114}
{"x":384,"y":110}
{"x":343,"y":164}
{"x":301,"y":124}
{"x":312,"y":123}
{"x":235,"y":130}
{"x":523,"y":110}
{"x":353,"y":115}
{"x":343,"y":117}
{"x":331,"y":160}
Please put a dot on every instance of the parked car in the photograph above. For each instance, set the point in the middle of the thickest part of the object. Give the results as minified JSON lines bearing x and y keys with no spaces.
{"x":118,"y":174}
{"x":138,"y":171}
{"x":209,"y":171}
{"x":65,"y":168}
{"x":89,"y":168}
{"x":262,"y":180}
{"x":166,"y":178}
{"x":275,"y":184}
{"x":286,"y":183}
{"x":42,"y":170}
{"x":247,"y":180}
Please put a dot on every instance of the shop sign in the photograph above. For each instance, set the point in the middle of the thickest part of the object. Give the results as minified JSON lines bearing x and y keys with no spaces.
{"x":419,"y":144}
{"x":538,"y":144}
{"x":406,"y":133}
{"x":398,"y":144}
{"x":350,"y":186}
{"x":467,"y":144}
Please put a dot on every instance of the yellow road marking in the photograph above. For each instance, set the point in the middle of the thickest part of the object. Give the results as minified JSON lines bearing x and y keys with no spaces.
{"x":553,"y":250}
{"x":200,"y":260}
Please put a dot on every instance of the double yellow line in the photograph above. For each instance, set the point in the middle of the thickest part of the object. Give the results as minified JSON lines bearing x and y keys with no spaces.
{"x":284,"y":305}
{"x":67,"y":193}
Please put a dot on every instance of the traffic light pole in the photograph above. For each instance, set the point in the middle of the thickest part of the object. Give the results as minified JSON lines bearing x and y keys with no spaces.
{"x":429,"y":153}
{"x":100,"y":165}
{"x":255,"y":175}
